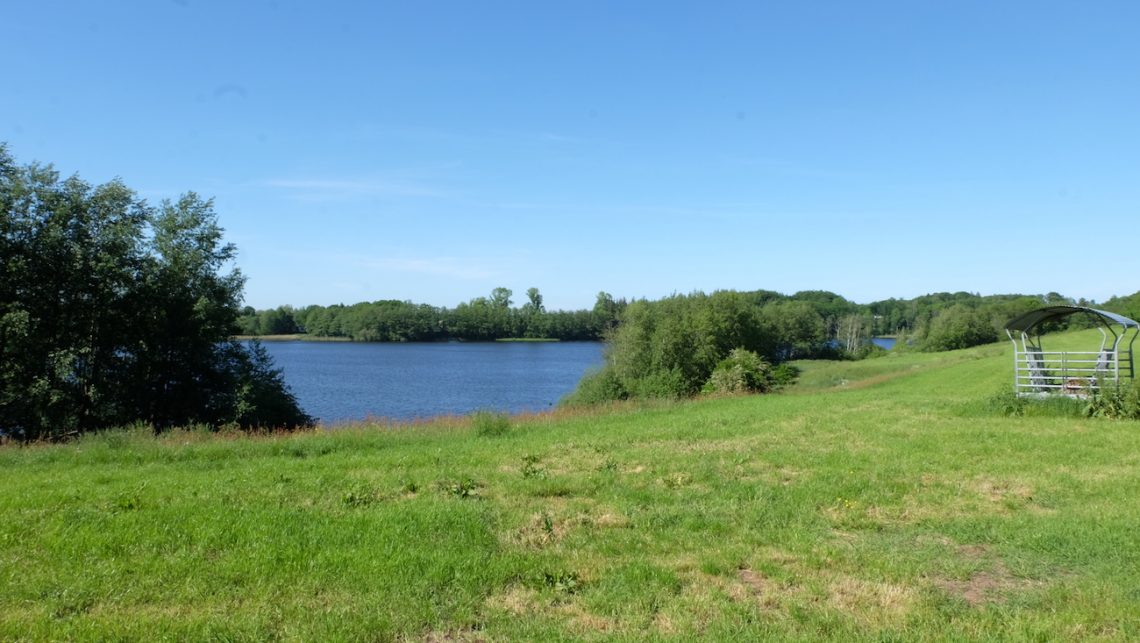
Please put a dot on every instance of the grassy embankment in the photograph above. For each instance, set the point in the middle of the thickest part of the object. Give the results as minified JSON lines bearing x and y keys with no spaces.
{"x":879,"y":500}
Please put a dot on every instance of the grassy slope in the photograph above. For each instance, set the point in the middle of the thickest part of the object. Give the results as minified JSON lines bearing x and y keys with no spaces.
{"x":880,"y":500}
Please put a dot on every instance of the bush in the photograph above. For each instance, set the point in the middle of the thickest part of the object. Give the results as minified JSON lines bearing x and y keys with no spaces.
{"x":785,"y":375}
{"x":1006,"y":403}
{"x":597,"y":387}
{"x":869,"y":351}
{"x":490,"y":423}
{"x":741,"y":372}
{"x":667,"y":384}
{"x":1119,"y":403}
{"x":669,"y":348}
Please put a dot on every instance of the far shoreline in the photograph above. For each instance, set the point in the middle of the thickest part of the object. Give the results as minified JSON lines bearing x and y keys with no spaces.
{"x":302,"y":337}
{"x":294,"y":337}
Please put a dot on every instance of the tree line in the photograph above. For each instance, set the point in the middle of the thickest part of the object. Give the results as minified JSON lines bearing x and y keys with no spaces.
{"x":480,"y":319}
{"x":681,"y":345}
{"x":114,"y":311}
{"x":822,"y":322}
{"x":732,"y":341}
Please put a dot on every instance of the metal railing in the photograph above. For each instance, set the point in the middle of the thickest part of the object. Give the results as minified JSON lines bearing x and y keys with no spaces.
{"x":1069,"y":372}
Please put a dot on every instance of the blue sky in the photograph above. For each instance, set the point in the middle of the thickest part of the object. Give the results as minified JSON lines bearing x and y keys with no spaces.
{"x":432,"y":151}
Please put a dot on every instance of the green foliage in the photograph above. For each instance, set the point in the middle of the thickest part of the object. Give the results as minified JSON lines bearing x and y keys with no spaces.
{"x":1006,"y":403}
{"x":671,"y":347}
{"x":114,"y":311}
{"x":958,"y":327}
{"x":596,"y":387}
{"x":464,"y":488}
{"x":785,"y":374}
{"x":606,"y":312}
{"x":869,"y":351}
{"x":808,"y":324}
{"x":275,"y":321}
{"x":1129,"y":306}
{"x":481,"y":319}
{"x":490,"y":423}
{"x":893,"y":316}
{"x":360,"y":497}
{"x":530,"y":468}
{"x":796,"y":330}
{"x":1116,"y":402}
{"x":263,"y":400}
{"x":668,"y":384}
{"x":562,"y":582}
{"x":741,"y":372}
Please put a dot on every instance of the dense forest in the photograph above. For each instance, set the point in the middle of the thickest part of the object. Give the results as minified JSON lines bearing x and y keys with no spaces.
{"x":114,"y":311}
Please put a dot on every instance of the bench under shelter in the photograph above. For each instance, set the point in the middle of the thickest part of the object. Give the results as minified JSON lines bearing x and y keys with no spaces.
{"x":1038,"y":372}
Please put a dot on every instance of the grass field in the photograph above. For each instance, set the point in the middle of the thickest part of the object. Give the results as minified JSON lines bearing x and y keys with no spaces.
{"x":876,"y":500}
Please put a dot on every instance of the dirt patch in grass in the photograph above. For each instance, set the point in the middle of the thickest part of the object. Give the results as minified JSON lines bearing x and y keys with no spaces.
{"x":939,"y":498}
{"x":451,"y":635}
{"x":664,"y":624}
{"x":551,"y":526}
{"x":999,"y":490}
{"x":540,"y":530}
{"x":758,"y":585}
{"x":874,"y":603}
{"x":985,"y":586}
{"x":516,"y":600}
{"x":1009,"y":495}
{"x":586,"y":622}
{"x":611,"y":520}
{"x":980,"y":588}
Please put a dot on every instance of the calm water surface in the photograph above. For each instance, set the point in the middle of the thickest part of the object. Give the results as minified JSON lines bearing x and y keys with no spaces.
{"x":343,"y":381}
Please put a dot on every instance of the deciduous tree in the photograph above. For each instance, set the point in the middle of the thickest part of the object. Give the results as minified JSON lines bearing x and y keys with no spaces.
{"x":113,"y":311}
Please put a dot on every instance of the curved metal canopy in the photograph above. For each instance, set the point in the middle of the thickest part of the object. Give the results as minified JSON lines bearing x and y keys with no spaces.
{"x":1034,"y":317}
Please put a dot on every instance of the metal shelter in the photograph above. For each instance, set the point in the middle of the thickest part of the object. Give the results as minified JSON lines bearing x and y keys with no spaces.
{"x":1038,"y":372}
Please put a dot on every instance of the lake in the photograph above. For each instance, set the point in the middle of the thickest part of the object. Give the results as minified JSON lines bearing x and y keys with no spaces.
{"x":344,"y":381}
{"x":884,"y":342}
